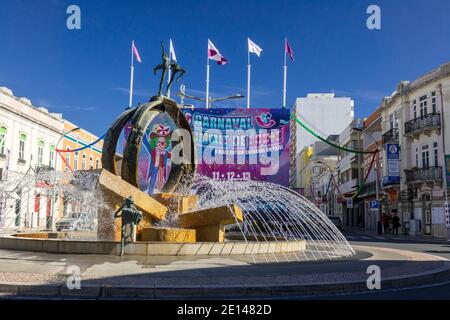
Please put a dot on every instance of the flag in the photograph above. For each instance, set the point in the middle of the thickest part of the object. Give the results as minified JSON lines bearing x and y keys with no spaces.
{"x":253,"y":47}
{"x":172,"y":52}
{"x":135,"y":52}
{"x":215,"y":55}
{"x":288,"y":50}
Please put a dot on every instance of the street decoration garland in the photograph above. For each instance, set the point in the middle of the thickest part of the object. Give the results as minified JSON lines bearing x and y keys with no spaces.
{"x":361,"y":187}
{"x":60,"y":151}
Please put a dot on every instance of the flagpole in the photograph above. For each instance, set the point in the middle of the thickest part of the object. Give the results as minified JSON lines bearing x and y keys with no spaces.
{"x":131,"y":76}
{"x":170,"y":70}
{"x":207,"y":83}
{"x":285,"y":73}
{"x":248,"y":81}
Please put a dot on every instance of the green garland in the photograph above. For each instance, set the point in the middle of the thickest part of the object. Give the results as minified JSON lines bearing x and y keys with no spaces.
{"x":329,"y":142}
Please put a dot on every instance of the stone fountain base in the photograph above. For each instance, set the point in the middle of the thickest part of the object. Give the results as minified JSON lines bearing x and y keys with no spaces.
{"x":53,"y":243}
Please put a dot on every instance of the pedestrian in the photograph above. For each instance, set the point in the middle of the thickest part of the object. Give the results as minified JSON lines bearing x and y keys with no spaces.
{"x":395,"y":224}
{"x":385,"y":220}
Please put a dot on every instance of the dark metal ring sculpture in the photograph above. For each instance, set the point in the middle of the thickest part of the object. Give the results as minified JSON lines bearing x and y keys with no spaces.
{"x":182,"y":171}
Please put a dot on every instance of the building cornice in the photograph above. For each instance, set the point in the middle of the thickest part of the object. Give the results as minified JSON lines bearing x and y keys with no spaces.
{"x":32,"y":119}
{"x":405,"y":88}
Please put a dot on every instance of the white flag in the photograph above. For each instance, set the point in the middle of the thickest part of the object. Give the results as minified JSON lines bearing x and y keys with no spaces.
{"x":253,"y":47}
{"x":172,"y":51}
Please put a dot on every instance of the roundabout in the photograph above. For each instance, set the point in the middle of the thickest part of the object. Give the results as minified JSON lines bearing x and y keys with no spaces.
{"x":211,"y":277}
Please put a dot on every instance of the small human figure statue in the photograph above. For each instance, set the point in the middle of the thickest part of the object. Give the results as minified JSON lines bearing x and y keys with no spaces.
{"x":175,"y":67}
{"x":165,"y":66}
{"x":131,"y":216}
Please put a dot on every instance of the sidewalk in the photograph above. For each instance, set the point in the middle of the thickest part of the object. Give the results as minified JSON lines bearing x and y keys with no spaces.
{"x":389,"y":235}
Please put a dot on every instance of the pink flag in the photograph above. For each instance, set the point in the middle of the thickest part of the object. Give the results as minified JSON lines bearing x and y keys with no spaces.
{"x":215,"y":55}
{"x":288,"y":50}
{"x":135,"y":52}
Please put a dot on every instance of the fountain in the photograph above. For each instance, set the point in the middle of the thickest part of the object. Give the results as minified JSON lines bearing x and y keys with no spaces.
{"x":191,"y":215}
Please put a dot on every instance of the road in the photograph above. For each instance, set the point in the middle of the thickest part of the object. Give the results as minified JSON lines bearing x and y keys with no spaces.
{"x":436,"y":291}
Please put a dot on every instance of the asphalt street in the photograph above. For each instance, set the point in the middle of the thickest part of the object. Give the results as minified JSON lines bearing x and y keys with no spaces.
{"x":437,"y":291}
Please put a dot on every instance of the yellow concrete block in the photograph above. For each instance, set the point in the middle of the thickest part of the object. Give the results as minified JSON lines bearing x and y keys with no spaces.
{"x":168,"y":234}
{"x":210,"y":233}
{"x":109,"y":227}
{"x":213,"y":216}
{"x":176,"y":202}
{"x":114,"y":185}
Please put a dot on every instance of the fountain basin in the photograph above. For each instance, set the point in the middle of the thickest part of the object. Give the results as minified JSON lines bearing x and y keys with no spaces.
{"x":43,"y":242}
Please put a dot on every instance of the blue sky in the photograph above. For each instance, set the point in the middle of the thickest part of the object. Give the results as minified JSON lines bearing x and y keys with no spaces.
{"x":85,"y":73}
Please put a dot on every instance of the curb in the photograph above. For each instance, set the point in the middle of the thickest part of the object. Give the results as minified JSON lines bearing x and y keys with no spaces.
{"x":12,"y":290}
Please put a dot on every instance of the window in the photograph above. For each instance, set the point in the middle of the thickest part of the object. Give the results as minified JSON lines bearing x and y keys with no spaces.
{"x":354,"y":174}
{"x":91,"y":163}
{"x":22,"y":140}
{"x":391,"y":121}
{"x":75,"y":161}
{"x":51,"y":157}
{"x":97,"y":164}
{"x":423,"y":106}
{"x":2,"y":139}
{"x":433,"y":102}
{"x":40,"y":157}
{"x":414,"y":107}
{"x":417,"y":157}
{"x":425,"y":157}
{"x":436,"y":154}
{"x":83,"y":162}
{"x":67,"y":157}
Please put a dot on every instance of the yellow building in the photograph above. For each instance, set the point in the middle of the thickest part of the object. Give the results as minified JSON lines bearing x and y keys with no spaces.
{"x":83,"y":160}
{"x":87,"y":159}
{"x":304,"y":173}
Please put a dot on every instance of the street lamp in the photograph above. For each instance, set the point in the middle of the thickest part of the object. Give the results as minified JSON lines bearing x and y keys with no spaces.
{"x":211,"y":100}
{"x":331,"y":177}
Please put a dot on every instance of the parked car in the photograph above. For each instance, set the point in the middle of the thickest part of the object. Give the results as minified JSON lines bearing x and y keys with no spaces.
{"x":336,"y":221}
{"x":75,"y":222}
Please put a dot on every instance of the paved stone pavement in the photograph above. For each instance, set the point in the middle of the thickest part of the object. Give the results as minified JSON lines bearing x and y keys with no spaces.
{"x":41,"y":268}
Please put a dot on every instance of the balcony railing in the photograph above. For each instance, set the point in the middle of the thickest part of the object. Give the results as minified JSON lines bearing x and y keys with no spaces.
{"x":369,"y":188}
{"x":423,"y":174}
{"x":391,"y":136}
{"x":429,"y":121}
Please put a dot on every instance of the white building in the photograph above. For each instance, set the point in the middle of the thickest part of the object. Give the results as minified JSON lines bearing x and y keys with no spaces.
{"x":417,"y":118}
{"x":28,"y":138}
{"x":322,"y":112}
{"x":349,"y":167}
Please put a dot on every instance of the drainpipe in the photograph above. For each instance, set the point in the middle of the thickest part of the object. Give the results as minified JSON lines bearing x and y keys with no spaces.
{"x":444,"y":175}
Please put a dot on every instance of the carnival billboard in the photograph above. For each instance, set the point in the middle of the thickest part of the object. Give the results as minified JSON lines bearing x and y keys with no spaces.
{"x":230,"y":144}
{"x":242,"y":144}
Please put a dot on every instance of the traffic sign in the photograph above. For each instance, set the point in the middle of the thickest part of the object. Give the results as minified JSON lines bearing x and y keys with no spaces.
{"x":350,"y":203}
{"x":374,"y":205}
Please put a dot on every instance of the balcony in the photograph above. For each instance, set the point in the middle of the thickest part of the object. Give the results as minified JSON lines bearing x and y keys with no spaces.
{"x":370,"y":188}
{"x":419,"y":175}
{"x":423,"y":124}
{"x":391,"y":136}
{"x":349,"y":186}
